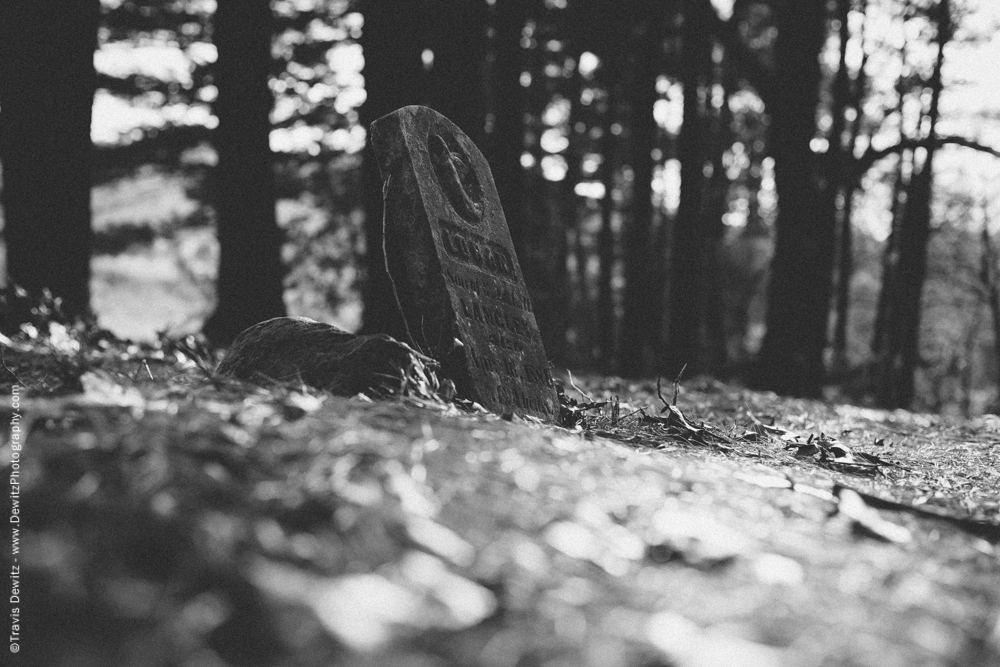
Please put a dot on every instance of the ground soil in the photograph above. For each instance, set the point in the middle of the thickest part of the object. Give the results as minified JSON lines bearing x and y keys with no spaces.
{"x":170,"y":518}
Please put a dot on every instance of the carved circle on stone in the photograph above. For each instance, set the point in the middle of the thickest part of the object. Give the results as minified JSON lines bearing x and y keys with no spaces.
{"x":456,"y":176}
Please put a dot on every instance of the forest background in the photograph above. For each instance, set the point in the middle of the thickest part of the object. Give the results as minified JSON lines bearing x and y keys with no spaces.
{"x":800,"y":195}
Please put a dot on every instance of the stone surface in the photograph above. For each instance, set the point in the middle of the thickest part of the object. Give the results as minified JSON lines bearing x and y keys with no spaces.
{"x":297,"y":349}
{"x":453,"y":268}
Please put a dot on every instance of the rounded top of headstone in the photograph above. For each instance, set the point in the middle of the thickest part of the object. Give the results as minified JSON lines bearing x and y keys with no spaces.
{"x":456,"y":176}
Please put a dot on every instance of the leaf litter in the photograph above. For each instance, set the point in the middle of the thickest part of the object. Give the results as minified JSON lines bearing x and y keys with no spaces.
{"x":177,"y":518}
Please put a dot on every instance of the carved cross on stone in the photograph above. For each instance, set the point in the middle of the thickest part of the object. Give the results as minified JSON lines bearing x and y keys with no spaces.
{"x":452,"y":264}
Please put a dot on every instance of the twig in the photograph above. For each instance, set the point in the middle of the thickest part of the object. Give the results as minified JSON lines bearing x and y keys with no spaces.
{"x":677,"y":383}
{"x":10,"y":370}
{"x":634,"y":412}
{"x":578,"y":390}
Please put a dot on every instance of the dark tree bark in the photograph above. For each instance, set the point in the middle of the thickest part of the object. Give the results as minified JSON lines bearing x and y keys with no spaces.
{"x":505,"y":140}
{"x":394,"y":78}
{"x":612,"y":74}
{"x":890,"y":259}
{"x":890,"y":254}
{"x":991,"y":287}
{"x":601,"y":28}
{"x":458,"y":76}
{"x":902,"y":351}
{"x":847,"y":94}
{"x":250,"y":285}
{"x":47,"y":82}
{"x":642,"y":313}
{"x":572,"y":222}
{"x":791,"y":358}
{"x":545,"y":243}
{"x":687,"y":342}
{"x":713,"y":209}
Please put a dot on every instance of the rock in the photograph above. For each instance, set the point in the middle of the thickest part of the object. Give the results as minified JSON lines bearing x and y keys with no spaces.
{"x":297,"y":349}
{"x":454,"y":272}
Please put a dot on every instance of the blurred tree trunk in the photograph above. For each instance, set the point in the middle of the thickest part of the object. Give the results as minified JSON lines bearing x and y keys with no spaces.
{"x":716,"y":205}
{"x":846,"y":94}
{"x":991,"y":285}
{"x":579,"y":344}
{"x":845,"y":272}
{"x":606,"y":42}
{"x":505,"y":140}
{"x":47,"y":82}
{"x":791,"y":358}
{"x":902,"y":348}
{"x":250,"y":285}
{"x":687,"y":340}
{"x":642,"y":313}
{"x":890,"y":258}
{"x":394,"y":78}
{"x":458,"y":75}
{"x":545,"y":243}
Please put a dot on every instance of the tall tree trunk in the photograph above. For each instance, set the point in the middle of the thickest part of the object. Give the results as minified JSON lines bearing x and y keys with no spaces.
{"x":603,"y":28}
{"x":687,"y":342}
{"x":890,"y":258}
{"x":847,"y":188}
{"x":505,"y":140}
{"x":606,"y":317}
{"x":835,"y":185}
{"x":897,"y":386}
{"x":713,"y":209}
{"x":991,"y":285}
{"x":579,"y":345}
{"x":47,"y":82}
{"x":791,"y":358}
{"x":250,"y":285}
{"x":394,"y":78}
{"x":458,"y":76}
{"x":845,"y":272}
{"x":885,"y":308}
{"x":642,"y":313}
{"x":545,"y":244}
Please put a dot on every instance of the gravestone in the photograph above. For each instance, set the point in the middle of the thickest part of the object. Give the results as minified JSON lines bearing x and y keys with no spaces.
{"x":297,"y":350}
{"x":452,"y":265}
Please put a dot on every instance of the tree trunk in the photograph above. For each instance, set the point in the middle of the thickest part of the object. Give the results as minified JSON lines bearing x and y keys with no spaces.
{"x":394,"y":78}
{"x":715,"y":206}
{"x":606,"y":27}
{"x":897,"y":384}
{"x":458,"y":76}
{"x":991,"y":285}
{"x":791,"y":358}
{"x":641,"y":312}
{"x":250,"y":285}
{"x":607,"y":319}
{"x":545,"y":245}
{"x":687,"y":339}
{"x":47,"y":82}
{"x":579,"y":345}
{"x":505,"y":140}
{"x":890,"y":260}
{"x":848,"y":188}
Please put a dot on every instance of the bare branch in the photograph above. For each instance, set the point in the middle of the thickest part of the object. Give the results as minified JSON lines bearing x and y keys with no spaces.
{"x":871,"y":156}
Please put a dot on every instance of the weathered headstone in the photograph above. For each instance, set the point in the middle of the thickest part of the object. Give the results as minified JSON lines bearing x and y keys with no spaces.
{"x":454,"y":272}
